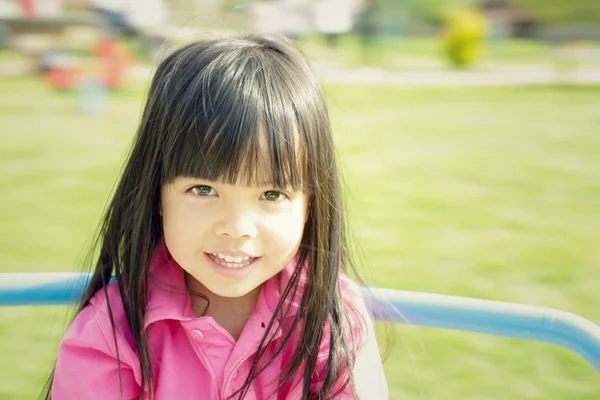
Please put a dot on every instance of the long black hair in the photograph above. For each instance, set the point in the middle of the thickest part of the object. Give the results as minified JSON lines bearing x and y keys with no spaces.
{"x":207,"y":105}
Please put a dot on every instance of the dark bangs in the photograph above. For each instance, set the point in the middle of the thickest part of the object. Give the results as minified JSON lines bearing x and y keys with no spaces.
{"x":240,"y":112}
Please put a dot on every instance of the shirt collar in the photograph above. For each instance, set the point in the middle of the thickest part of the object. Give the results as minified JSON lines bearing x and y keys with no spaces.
{"x":168,"y":296}
{"x":274,"y":288}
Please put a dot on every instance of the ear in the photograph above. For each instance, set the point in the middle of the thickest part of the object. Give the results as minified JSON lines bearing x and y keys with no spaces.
{"x":307,"y":211}
{"x":160,"y":197}
{"x":160,"y":212}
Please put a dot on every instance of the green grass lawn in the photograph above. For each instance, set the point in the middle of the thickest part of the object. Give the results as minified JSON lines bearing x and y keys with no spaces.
{"x":428,"y":53}
{"x":484,"y":192}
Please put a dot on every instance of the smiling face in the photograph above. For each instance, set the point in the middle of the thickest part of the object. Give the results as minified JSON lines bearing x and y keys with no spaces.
{"x":231,"y":238}
{"x":227,"y":150}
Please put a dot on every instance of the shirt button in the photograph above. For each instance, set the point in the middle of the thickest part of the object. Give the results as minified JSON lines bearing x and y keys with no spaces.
{"x":196,"y":334}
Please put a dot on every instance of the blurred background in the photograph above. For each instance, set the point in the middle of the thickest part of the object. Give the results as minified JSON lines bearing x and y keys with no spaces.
{"x":468,"y":130}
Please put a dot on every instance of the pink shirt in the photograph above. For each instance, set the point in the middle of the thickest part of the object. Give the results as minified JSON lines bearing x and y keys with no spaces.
{"x":194,"y":357}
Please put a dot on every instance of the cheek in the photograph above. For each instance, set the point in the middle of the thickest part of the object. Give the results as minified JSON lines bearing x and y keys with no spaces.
{"x":285,"y":231}
{"x":173,"y":233}
{"x":184,"y":236}
{"x":182,"y":224}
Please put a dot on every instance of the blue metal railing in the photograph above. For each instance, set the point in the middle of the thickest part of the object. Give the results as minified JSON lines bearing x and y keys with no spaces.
{"x":424,"y":309}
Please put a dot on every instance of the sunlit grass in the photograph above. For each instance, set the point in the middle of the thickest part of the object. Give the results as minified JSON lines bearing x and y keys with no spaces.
{"x":428,"y":54}
{"x":483,"y":192}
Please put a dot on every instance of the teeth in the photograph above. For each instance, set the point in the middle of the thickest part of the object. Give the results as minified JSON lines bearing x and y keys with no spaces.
{"x":232,"y":262}
{"x":236,"y":259}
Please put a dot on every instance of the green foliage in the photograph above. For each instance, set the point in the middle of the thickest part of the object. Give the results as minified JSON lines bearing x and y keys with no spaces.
{"x":438,"y":10}
{"x":395,"y":17}
{"x":561,"y":11}
{"x":464,"y":36}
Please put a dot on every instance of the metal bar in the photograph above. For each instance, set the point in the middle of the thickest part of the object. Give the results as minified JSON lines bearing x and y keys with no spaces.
{"x":424,"y":309}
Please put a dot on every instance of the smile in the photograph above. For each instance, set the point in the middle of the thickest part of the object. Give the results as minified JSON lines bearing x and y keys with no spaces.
{"x":230,"y":261}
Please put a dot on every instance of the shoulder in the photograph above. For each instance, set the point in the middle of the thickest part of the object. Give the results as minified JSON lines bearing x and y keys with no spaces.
{"x":368,"y":375}
{"x":96,"y":359}
{"x":108,"y":300}
{"x":358,"y":317}
{"x":103,"y":324}
{"x":356,"y":322}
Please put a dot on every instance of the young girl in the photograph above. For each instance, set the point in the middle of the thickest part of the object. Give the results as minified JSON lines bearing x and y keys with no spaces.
{"x":226,"y":238}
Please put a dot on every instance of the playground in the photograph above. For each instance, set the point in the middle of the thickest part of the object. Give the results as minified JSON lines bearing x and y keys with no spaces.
{"x":478,"y":192}
{"x":478,"y":181}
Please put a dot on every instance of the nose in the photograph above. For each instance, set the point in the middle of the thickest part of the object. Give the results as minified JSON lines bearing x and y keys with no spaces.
{"x":235,"y":224}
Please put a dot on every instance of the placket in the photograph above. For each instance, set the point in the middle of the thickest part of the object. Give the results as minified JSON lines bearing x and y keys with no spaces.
{"x":212,"y":346}
{"x":238,"y":367}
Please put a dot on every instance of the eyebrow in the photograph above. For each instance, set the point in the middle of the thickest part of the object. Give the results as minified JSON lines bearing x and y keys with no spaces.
{"x":187,"y":180}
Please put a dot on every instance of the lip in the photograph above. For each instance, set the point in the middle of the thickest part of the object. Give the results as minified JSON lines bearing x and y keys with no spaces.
{"x":234,"y":273}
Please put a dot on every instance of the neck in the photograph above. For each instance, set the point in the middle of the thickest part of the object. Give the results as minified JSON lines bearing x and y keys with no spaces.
{"x":231,"y":313}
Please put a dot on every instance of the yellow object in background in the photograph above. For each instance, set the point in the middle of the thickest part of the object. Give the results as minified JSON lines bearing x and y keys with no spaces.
{"x":464,"y":36}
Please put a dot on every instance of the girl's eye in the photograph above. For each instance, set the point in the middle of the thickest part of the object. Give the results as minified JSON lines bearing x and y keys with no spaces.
{"x":273,"y":195}
{"x":203,"y":190}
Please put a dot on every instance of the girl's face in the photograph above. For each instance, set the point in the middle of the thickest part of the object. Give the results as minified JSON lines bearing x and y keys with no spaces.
{"x":231,"y":238}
